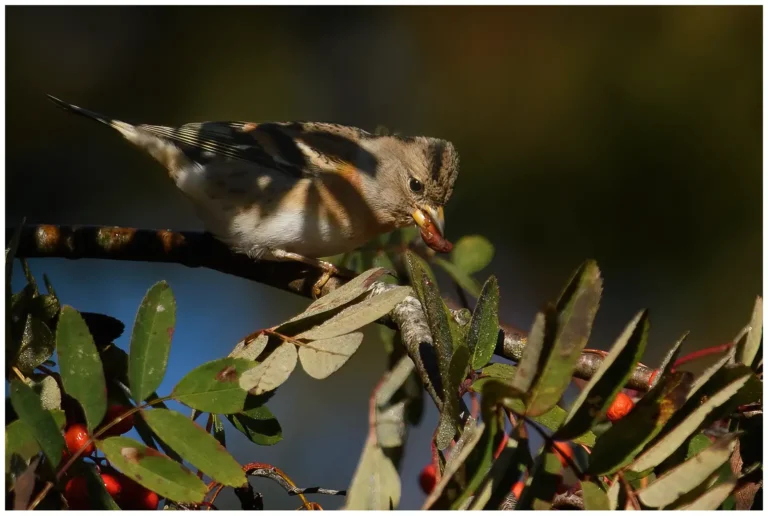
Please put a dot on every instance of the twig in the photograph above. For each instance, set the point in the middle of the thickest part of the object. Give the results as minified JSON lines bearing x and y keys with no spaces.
{"x":272,"y":473}
{"x":195,"y":249}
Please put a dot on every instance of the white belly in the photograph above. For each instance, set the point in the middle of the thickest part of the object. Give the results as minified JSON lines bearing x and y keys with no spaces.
{"x":289,"y":231}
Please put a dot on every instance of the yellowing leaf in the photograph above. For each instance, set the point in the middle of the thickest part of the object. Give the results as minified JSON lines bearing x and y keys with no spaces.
{"x":358,"y":315}
{"x":685,"y":477}
{"x":271,"y":373}
{"x":375,"y":484}
{"x":321,"y":358}
{"x":677,"y":436}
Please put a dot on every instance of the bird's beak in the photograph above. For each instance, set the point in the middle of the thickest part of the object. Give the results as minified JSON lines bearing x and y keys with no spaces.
{"x":431,"y":221}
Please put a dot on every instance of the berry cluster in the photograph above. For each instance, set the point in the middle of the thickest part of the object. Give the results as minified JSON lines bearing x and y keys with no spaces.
{"x":128,"y":494}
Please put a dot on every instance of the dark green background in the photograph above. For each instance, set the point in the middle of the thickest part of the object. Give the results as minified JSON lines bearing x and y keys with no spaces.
{"x":629,"y":135}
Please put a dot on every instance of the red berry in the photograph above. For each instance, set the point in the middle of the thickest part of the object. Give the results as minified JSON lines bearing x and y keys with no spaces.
{"x":428,"y":478}
{"x":148,"y":500}
{"x":134,"y":496}
{"x":653,"y":375}
{"x":113,"y":412}
{"x":563,"y":450}
{"x":517,"y":489}
{"x":76,"y":493}
{"x":112,"y":485}
{"x":620,"y":407}
{"x":76,"y":437}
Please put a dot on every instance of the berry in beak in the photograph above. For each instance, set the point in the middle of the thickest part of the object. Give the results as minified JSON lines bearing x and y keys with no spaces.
{"x":431,"y":222}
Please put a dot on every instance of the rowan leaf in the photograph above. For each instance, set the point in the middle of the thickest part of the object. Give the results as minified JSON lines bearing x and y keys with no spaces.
{"x":153,"y":470}
{"x":195,"y":445}
{"x":151,"y":341}
{"x":272,"y":372}
{"x":214,"y":386}
{"x":323,"y":357}
{"x":82,"y":373}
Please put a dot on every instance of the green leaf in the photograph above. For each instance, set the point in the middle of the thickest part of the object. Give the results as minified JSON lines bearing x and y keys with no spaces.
{"x":48,"y":390}
{"x":449,"y":420}
{"x":105,"y":329}
{"x":484,"y":326}
{"x":535,"y":351}
{"x":669,"y":361}
{"x":622,"y":441}
{"x":667,"y":488}
{"x":677,"y":436}
{"x":151,"y":341}
{"x":553,"y":419}
{"x":541,"y":486}
{"x":596,"y":397}
{"x":272,"y":372}
{"x":505,"y":471}
{"x":20,"y":440}
{"x":472,"y":253}
{"x":747,"y":353}
{"x":462,"y":278}
{"x":195,"y":445}
{"x":484,"y":452}
{"x":45,"y":307}
{"x":697,"y":444}
{"x":82,"y":373}
{"x":257,"y":423}
{"x":321,"y":358}
{"x":40,"y":423}
{"x":376,"y":484}
{"x":470,"y":437}
{"x":218,"y":430}
{"x":712,"y":498}
{"x":98,"y":496}
{"x":214,"y":386}
{"x":358,"y":315}
{"x":37,"y":345}
{"x":498,"y":371}
{"x":595,"y":499}
{"x":576,"y":309}
{"x":153,"y":470}
{"x":417,"y":269}
{"x":708,"y":373}
{"x":443,"y":346}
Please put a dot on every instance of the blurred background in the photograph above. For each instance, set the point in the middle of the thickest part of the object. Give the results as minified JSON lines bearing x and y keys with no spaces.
{"x":628,"y":135}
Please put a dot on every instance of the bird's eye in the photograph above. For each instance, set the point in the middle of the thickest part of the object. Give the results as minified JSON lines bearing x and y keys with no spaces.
{"x":415,"y":185}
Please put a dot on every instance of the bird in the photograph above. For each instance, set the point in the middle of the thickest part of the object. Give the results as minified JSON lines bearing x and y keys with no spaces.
{"x":300,"y":191}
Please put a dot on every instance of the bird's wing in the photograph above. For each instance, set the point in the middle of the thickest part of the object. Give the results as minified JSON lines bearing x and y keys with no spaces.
{"x":296,"y":148}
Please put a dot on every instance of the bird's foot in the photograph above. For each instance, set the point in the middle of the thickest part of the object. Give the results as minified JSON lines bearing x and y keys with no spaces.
{"x":329,"y":269}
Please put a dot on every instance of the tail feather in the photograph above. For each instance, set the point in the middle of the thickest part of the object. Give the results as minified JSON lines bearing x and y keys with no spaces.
{"x":160,"y":148}
{"x":80,"y":111}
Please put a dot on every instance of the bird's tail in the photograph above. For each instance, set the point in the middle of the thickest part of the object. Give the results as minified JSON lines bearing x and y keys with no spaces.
{"x":162,"y":149}
{"x":115,"y":124}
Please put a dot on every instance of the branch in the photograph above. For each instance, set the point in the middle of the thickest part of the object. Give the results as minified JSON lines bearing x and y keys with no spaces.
{"x":195,"y":249}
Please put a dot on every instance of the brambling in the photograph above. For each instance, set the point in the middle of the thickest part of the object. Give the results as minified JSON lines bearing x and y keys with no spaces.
{"x":301,"y":190}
